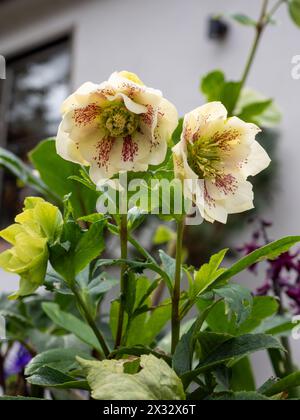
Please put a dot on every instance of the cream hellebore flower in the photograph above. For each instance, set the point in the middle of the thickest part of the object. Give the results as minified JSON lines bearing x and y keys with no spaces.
{"x":119,"y":125}
{"x":221,"y":152}
{"x":40,"y":224}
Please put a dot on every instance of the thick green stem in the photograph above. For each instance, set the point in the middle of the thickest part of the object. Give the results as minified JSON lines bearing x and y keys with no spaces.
{"x":124,"y":254}
{"x":177,"y":287}
{"x":90,"y":320}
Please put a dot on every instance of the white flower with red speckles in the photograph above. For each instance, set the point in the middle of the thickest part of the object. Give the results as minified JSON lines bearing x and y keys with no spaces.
{"x":119,"y":125}
{"x":221,"y":152}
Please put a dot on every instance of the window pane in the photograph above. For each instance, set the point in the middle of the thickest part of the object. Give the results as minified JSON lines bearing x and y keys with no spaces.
{"x":37,"y":84}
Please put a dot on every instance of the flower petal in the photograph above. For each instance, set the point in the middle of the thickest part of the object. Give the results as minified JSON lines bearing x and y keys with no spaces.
{"x":67,"y":149}
{"x":257,"y":161}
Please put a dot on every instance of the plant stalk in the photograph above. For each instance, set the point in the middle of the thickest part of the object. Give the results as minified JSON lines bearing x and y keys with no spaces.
{"x":261,"y":24}
{"x":90,"y":320}
{"x":177,"y":287}
{"x":124,"y":254}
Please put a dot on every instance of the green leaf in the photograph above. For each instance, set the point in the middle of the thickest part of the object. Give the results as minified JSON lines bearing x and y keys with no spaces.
{"x":212,"y":85}
{"x":77,"y":248}
{"x":242,"y":377}
{"x":63,"y":360}
{"x":92,"y":291}
{"x":144,"y":325}
{"x":138,"y":351}
{"x":52,"y":378}
{"x":263,"y":307}
{"x":155,"y":381}
{"x":177,"y":133}
{"x":70,"y":323}
{"x":251,"y":112}
{"x":278,"y":326}
{"x":211,"y":341}
{"x":138,"y":267}
{"x":270,"y":251}
{"x":238,"y":396}
{"x":55,"y":172}
{"x":238,"y":301}
{"x":230,"y":96}
{"x":234,"y":348}
{"x":168,"y":264}
{"x":244,"y":20}
{"x":294,"y":9}
{"x":207,"y":274}
{"x":250,"y":102}
{"x":23,"y":172}
{"x":282,"y":385}
{"x":163,"y":235}
{"x":184,"y":352}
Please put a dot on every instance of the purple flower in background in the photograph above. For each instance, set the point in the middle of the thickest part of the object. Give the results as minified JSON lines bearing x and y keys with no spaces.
{"x":17,"y":360}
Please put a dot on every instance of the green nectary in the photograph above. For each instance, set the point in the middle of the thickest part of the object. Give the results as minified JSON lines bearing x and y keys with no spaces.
{"x":118,"y":121}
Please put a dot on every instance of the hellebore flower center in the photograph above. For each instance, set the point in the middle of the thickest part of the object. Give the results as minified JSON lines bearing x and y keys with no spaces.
{"x":118,"y":121}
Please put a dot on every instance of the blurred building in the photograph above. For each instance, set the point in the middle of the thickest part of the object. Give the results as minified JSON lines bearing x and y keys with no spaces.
{"x":51,"y":47}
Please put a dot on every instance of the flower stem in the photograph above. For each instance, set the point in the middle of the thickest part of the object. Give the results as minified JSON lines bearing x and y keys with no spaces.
{"x":177,"y":287}
{"x":124,"y":254}
{"x":260,"y":26}
{"x":90,"y":320}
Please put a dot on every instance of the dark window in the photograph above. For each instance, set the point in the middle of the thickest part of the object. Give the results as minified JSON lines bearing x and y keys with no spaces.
{"x":36,"y":85}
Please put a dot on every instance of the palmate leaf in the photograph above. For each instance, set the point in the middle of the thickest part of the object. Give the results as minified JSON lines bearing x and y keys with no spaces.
{"x":155,"y":381}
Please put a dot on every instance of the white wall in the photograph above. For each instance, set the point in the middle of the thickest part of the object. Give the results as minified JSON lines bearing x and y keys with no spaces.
{"x":165,"y":42}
